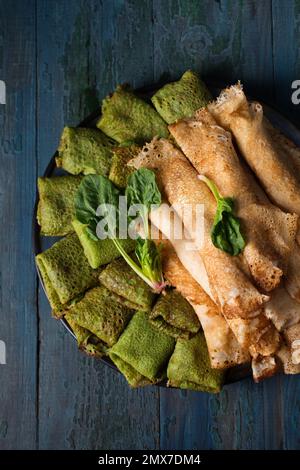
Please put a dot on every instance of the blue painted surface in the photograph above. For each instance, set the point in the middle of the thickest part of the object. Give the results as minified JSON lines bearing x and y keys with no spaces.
{"x":59,"y":58}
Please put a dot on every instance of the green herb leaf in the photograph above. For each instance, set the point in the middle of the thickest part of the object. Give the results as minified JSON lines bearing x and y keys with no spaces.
{"x":93,"y":191}
{"x":226,"y":232}
{"x":142,"y":190}
{"x":96,"y":190}
{"x":149,"y":258}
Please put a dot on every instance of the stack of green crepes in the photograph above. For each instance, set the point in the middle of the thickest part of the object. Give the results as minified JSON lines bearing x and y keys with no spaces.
{"x":108,"y":306}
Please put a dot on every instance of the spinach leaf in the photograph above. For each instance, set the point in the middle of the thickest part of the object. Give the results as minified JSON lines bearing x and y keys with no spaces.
{"x":226,"y":230}
{"x":142,"y":190}
{"x":95,"y":191}
{"x":149,"y":258}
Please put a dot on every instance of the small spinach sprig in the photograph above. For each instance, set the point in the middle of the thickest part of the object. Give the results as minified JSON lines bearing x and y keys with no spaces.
{"x":225,"y":233}
{"x":96,"y":190}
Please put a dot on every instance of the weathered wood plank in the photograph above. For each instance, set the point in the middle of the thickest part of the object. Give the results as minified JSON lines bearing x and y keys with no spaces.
{"x":85,"y":49}
{"x":286,"y":38}
{"x":219,"y":40}
{"x":18,"y":315}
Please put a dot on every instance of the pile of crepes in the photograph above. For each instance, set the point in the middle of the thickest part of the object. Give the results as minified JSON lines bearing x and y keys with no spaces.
{"x":248,"y":305}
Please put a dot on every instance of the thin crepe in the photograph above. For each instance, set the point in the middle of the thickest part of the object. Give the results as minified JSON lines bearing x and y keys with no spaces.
{"x":223,"y":347}
{"x":289,"y":353}
{"x":119,"y":278}
{"x":173,"y":315}
{"x":189,"y":367}
{"x":56,"y":204}
{"x":84,"y":150}
{"x":102,"y":315}
{"x":282,"y":309}
{"x":86,"y":340}
{"x":231,"y":286}
{"x":269,"y":232}
{"x":100,"y":252}
{"x":182,"y":98}
{"x":126,"y":117}
{"x":142,"y":352}
{"x":263,"y":367}
{"x":292,"y":280}
{"x":119,"y":170}
{"x":278,"y":174}
{"x":66,"y":272}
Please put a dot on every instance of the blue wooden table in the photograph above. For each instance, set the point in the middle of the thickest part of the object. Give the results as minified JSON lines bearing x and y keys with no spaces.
{"x":58,"y":59}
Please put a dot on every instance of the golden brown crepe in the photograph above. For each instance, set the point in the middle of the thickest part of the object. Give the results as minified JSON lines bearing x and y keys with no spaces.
{"x":292,"y":280}
{"x":289,"y":353}
{"x":282,"y":309}
{"x":230,"y":284}
{"x":256,"y":333}
{"x":270,"y":233}
{"x":165,"y":221}
{"x":263,"y":367}
{"x":278,"y":174}
{"x":224,"y":350}
{"x":285,"y":357}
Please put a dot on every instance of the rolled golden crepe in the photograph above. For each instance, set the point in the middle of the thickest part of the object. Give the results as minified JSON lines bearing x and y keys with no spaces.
{"x":224,"y":349}
{"x":289,"y":353}
{"x":292,"y":280}
{"x":285,"y":357}
{"x":288,"y":147}
{"x":270,"y":233}
{"x":256,"y":333}
{"x":282,"y":309}
{"x":185,"y":247}
{"x":263,"y":367}
{"x":278,"y":174}
{"x":230,"y":284}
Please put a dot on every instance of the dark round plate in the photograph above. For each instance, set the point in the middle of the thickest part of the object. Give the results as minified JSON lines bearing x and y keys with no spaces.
{"x":234,"y":374}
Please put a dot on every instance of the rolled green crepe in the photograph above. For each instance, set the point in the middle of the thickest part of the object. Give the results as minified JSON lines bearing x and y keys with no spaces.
{"x":56,"y":204}
{"x":189,"y":366}
{"x":100,"y":252}
{"x":66,"y":272}
{"x":119,"y":170}
{"x":125,"y":117}
{"x":86,"y":340}
{"x":174,"y":315}
{"x":100,"y":314}
{"x":123,"y":281}
{"x":84,"y":150}
{"x":182,"y":98}
{"x":142,"y":352}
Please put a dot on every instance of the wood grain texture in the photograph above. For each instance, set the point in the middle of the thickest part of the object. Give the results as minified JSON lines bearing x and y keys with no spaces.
{"x":59,"y":58}
{"x":286,"y":51}
{"x":217,"y":38}
{"x":18,"y":316}
{"x":91,"y":46}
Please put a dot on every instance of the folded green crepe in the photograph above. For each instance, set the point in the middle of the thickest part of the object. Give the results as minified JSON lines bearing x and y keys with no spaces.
{"x":84,"y":150}
{"x":123,"y":281}
{"x":100,"y":314}
{"x":119,"y":170}
{"x":142,"y":352}
{"x":174,"y":315}
{"x":182,"y":98}
{"x":189,"y":366}
{"x":125,"y":117}
{"x":86,"y":340}
{"x":66,"y":272}
{"x":100,"y":252}
{"x":56,"y":204}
